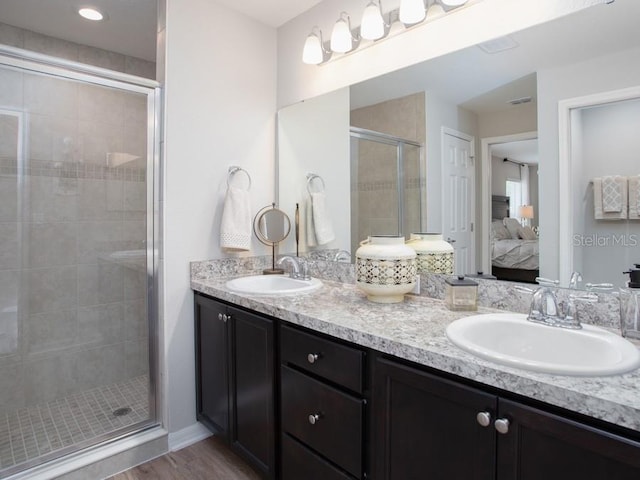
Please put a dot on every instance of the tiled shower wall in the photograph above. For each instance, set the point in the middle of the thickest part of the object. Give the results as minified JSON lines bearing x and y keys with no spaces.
{"x":36,"y":42}
{"x":72,"y":305}
{"x":376,"y":184}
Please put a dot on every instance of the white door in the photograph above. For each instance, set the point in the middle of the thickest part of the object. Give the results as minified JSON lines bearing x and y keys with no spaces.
{"x":458,"y":172}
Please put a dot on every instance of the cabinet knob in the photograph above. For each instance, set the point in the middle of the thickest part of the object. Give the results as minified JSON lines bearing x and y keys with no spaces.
{"x":314,"y":418}
{"x":219,"y":316}
{"x":502,"y":425}
{"x":484,"y":418}
{"x":226,"y":317}
{"x":312,"y":357}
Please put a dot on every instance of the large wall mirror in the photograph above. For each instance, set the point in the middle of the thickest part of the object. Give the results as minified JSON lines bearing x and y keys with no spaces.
{"x":481,"y":138}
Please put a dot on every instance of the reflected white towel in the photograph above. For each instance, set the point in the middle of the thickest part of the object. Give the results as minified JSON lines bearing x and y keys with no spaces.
{"x":321,"y":221}
{"x":599,"y":212}
{"x":612,"y":194}
{"x":634,"y":197}
{"x":235,"y":227}
{"x":308,"y":222}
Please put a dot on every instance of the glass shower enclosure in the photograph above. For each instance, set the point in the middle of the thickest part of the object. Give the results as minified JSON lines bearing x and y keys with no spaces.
{"x":387,"y":185}
{"x":77,"y":155}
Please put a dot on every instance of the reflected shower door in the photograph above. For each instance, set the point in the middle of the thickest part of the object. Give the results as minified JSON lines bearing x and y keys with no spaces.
{"x":74,"y":279}
{"x":386,"y":185}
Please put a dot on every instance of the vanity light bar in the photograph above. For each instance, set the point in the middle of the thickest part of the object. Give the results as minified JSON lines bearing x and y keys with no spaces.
{"x":373,"y":26}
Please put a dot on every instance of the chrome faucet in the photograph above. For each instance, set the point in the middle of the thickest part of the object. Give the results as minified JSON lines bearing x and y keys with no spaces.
{"x":544,"y":303}
{"x":576,"y":278}
{"x":299,"y":267}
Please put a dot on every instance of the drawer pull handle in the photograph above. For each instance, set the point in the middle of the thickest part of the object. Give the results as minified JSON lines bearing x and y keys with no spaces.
{"x":312,"y":358}
{"x":502,"y":425}
{"x":484,"y":418}
{"x":313,"y":419}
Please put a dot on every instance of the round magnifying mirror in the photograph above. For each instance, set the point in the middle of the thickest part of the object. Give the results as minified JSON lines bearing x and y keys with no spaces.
{"x":272,"y":226}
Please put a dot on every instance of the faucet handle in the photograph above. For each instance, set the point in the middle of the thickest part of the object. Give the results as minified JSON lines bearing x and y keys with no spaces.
{"x":546,"y":282}
{"x":522,"y":289}
{"x":599,"y":287}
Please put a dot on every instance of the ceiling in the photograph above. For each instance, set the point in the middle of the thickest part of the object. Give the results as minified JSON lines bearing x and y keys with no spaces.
{"x":130,"y":27}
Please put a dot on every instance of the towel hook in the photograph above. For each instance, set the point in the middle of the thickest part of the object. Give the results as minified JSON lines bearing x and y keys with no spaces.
{"x":233,"y":170}
{"x":310,"y":178}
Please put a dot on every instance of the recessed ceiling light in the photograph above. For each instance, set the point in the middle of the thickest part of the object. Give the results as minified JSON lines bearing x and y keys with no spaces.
{"x":90,"y":14}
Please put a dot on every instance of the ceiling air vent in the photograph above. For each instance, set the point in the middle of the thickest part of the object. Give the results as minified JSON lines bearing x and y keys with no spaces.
{"x":518,"y":101}
{"x":499,"y":44}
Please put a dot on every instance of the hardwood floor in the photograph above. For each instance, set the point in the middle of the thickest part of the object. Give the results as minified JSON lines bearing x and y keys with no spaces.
{"x":209,"y":459}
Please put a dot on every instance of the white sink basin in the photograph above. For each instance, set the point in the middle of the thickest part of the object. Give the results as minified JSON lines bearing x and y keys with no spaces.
{"x":511,"y":340}
{"x":272,"y":285}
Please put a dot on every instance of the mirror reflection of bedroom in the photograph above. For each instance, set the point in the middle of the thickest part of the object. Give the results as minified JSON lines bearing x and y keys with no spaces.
{"x":514,"y":211}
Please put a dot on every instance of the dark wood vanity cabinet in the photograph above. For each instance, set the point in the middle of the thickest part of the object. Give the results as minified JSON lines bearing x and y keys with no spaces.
{"x":235,"y":379}
{"x":427,"y":426}
{"x":348,"y":413}
{"x":323,"y":407}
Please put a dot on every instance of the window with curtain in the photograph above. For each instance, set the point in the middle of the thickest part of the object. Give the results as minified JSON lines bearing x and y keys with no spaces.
{"x":514,"y":192}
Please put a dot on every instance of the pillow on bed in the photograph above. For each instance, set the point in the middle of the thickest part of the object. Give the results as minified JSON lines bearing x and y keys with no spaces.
{"x":499,"y":231}
{"x":513,"y":226}
{"x":527,"y":233}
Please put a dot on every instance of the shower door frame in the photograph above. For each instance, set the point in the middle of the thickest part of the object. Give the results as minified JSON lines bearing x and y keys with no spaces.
{"x":35,"y":63}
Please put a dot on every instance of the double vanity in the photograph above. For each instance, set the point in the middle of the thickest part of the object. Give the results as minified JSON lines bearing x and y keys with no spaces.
{"x":324,"y":384}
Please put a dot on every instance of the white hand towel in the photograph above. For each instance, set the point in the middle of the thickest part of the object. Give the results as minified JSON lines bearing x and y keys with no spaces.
{"x":612,"y":194}
{"x":599,"y":213}
{"x":321,"y":221}
{"x":634,"y":197}
{"x":308,"y":221}
{"x":235,"y":227}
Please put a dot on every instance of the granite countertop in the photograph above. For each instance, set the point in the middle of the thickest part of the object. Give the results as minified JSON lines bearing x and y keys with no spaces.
{"x":415,"y":330}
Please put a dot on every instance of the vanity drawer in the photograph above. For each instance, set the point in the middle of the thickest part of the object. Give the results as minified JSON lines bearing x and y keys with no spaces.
{"x":299,"y":462}
{"x":328,"y":359}
{"x":323,"y":418}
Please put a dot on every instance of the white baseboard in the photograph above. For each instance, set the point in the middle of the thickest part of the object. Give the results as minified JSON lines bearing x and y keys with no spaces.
{"x":188,"y":436}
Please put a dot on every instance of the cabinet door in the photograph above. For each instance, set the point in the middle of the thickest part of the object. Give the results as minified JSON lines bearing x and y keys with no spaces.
{"x":540,"y":445}
{"x":426,"y":427}
{"x":252,"y":389}
{"x":212,"y":364}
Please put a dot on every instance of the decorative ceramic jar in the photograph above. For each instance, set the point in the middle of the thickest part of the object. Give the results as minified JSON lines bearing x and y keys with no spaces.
{"x":434,"y":255}
{"x":385,"y":268}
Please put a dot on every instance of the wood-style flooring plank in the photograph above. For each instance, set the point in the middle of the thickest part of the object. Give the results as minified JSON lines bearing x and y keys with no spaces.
{"x":209,"y":459}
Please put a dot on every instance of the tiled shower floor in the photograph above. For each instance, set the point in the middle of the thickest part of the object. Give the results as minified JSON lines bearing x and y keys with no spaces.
{"x":31,"y":432}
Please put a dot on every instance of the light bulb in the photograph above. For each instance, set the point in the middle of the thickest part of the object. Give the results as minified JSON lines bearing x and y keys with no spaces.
{"x":411,"y":11}
{"x":453,"y":3}
{"x":341,"y":40}
{"x":372,"y":25}
{"x":312,"y":53}
{"x":435,"y":11}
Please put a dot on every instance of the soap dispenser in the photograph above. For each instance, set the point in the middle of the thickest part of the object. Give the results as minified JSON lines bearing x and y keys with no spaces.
{"x":630,"y":304}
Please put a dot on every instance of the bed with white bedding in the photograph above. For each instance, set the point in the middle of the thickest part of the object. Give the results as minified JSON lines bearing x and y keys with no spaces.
{"x":514,"y":251}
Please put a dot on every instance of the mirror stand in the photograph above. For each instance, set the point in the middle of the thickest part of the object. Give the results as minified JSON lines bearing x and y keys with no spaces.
{"x":271,"y":226}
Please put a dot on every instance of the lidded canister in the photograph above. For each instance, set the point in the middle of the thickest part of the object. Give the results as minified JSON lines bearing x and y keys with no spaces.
{"x":385,"y":268}
{"x":434,"y":254}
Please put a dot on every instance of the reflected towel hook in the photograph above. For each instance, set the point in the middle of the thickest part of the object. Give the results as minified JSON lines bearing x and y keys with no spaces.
{"x":233,"y":170}
{"x":310,"y":178}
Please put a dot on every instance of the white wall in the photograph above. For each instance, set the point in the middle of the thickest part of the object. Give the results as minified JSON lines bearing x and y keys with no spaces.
{"x":219,"y":111}
{"x":313,"y":137}
{"x":611,"y":72}
{"x":478,"y":22}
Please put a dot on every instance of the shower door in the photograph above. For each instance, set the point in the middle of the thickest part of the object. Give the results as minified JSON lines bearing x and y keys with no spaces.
{"x":386,"y":185}
{"x":76,"y":263}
